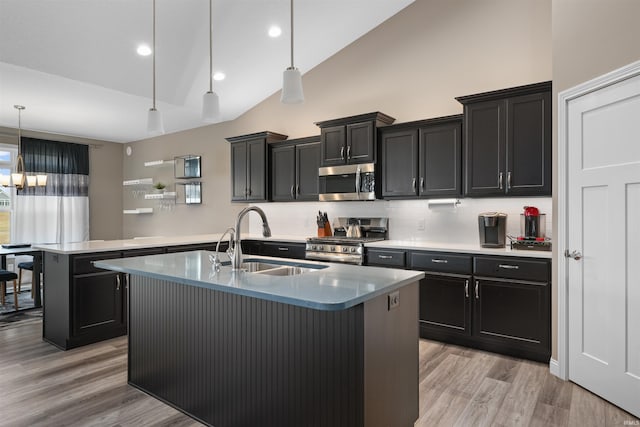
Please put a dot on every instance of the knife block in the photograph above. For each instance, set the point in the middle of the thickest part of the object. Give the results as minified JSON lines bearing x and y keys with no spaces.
{"x":326,"y":231}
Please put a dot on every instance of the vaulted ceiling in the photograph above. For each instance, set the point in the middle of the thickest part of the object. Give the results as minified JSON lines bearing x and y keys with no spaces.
{"x":73,"y":63}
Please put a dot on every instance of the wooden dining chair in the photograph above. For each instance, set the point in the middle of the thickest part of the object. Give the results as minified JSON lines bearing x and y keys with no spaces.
{"x":5,"y":276}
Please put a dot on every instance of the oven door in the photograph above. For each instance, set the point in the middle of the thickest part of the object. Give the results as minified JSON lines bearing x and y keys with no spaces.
{"x":347,"y":182}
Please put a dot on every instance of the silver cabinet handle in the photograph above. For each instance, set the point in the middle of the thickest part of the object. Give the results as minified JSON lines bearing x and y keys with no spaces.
{"x":298,"y":190}
{"x":385,"y":256}
{"x":126,"y":281}
{"x":421,"y":183}
{"x":466,"y":288}
{"x":439,"y":261}
{"x":477,"y":292}
{"x":508,"y":266}
{"x":118,"y":282}
{"x":281,"y":248}
{"x":508,"y":180}
{"x":575,"y":254}
{"x":292,"y":187}
{"x":413,"y":184}
{"x":342,"y":152}
{"x":500,"y":180}
{"x":348,"y":152}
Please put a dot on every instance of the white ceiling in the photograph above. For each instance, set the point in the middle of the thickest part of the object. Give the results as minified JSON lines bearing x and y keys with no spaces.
{"x":73,"y":63}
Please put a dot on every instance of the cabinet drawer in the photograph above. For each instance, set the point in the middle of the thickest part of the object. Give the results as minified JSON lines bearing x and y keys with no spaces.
{"x":386,"y":258}
{"x":510,"y":268}
{"x":284,"y":250}
{"x":82,"y":263}
{"x":440,"y":262}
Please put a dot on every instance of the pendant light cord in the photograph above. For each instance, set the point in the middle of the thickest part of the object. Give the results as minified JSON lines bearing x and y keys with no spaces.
{"x":291,"y":33}
{"x":19,"y":130}
{"x":154,"y":54}
{"x":210,"y":47}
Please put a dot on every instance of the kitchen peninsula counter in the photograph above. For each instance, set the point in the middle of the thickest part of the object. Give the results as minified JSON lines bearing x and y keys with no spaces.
{"x":336,"y":345}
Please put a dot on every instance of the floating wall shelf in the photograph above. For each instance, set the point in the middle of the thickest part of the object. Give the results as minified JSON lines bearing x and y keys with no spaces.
{"x":143,"y":181}
{"x":159,"y":163}
{"x":138,"y":211}
{"x":160,"y":196}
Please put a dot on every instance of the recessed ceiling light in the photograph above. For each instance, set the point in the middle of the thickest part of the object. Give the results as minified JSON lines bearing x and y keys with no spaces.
{"x":275,"y":31}
{"x":218,"y":75}
{"x":143,"y":50}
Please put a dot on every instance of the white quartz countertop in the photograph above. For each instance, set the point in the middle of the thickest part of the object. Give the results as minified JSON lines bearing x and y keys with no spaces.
{"x":456,"y":247}
{"x":330,"y":287}
{"x":150,"y":242}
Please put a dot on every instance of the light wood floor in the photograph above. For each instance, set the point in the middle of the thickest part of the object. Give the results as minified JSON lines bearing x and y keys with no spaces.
{"x":43,"y":386}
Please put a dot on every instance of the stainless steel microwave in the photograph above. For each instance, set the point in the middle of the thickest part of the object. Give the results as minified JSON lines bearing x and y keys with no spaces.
{"x":347,"y":182}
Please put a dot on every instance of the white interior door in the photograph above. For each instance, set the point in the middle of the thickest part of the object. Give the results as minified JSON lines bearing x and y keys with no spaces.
{"x":603,"y":225}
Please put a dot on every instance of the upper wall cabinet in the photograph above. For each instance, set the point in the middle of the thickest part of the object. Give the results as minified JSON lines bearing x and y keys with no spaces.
{"x":422,"y":159}
{"x":507,"y":142}
{"x":294,"y":170}
{"x":249,"y":160}
{"x":350,"y":139}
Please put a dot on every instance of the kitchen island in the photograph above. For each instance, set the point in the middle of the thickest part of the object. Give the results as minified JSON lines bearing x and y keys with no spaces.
{"x":336,"y":345}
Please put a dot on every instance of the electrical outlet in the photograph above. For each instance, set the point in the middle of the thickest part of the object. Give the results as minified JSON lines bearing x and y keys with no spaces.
{"x":394,"y":299}
{"x":421,"y":224}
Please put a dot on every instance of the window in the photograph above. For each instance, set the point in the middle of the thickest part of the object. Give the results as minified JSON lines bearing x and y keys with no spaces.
{"x":8,"y":154}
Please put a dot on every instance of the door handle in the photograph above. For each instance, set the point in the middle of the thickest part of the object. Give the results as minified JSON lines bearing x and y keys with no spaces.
{"x":421,"y":183}
{"x":508,"y":266}
{"x":385,"y":256}
{"x":118,"y":282}
{"x":348,"y":152}
{"x":342,"y":152}
{"x":476,"y":290}
{"x":126,"y":281}
{"x":439,"y":261}
{"x":283,"y":249}
{"x":577,"y":255}
{"x":508,"y":180}
{"x":298,"y":190}
{"x":500,"y":180}
{"x":466,"y":288}
{"x":413,"y":184}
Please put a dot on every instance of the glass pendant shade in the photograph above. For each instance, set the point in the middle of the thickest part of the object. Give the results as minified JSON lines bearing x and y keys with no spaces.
{"x":154,"y":122}
{"x":292,"y":86}
{"x":31,"y":180}
{"x":18,"y":179}
{"x":210,"y":107}
{"x":42,"y":180}
{"x":5,"y":180}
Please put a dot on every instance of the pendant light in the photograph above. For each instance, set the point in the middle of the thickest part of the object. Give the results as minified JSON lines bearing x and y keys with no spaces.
{"x":154,"y":118}
{"x":19,"y":178}
{"x":291,"y":78}
{"x":210,"y":100}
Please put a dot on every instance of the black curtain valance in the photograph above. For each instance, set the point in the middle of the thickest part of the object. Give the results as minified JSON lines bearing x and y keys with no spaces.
{"x":43,"y":156}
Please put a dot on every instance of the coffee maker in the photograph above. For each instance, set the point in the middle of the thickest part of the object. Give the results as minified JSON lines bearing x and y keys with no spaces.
{"x":492,"y":227}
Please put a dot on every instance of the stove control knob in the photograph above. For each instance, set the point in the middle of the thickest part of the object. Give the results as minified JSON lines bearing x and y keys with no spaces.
{"x":332,"y":248}
{"x":353,"y":249}
{"x":345,"y":249}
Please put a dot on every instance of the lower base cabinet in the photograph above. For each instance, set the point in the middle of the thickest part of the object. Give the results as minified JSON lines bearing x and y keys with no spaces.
{"x":501,"y":304}
{"x":99,"y":301}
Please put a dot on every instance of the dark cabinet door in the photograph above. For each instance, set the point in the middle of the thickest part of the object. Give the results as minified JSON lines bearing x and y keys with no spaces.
{"x":307,"y":164}
{"x":360,"y":143}
{"x":333,"y":145}
{"x":485,"y":148}
{"x":283,"y":173}
{"x":399,"y":152}
{"x":529,"y":145}
{"x":238,"y":171}
{"x":513,"y":315}
{"x":98,"y":303}
{"x":440,"y":161}
{"x":256,"y":167}
{"x":445,"y":304}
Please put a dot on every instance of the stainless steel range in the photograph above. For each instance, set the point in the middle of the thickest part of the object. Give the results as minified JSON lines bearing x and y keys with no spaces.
{"x":349,"y":250}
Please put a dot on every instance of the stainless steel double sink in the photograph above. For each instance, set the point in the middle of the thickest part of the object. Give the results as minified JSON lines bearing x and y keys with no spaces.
{"x":278,"y":268}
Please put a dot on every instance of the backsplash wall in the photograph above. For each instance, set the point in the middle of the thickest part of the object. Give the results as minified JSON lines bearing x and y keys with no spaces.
{"x":408,"y":219}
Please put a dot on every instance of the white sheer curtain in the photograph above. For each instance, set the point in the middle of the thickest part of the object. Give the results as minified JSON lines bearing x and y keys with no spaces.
{"x":59,"y":212}
{"x":50,"y":219}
